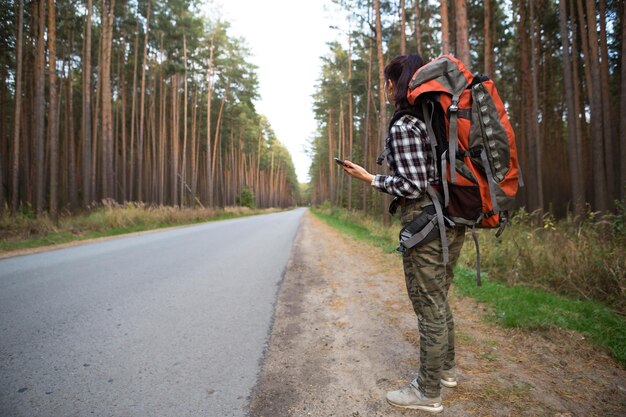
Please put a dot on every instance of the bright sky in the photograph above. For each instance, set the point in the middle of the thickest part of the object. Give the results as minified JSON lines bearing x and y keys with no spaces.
{"x":286,"y":38}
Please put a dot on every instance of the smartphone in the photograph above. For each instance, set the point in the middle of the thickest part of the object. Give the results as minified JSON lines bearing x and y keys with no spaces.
{"x":340,"y":161}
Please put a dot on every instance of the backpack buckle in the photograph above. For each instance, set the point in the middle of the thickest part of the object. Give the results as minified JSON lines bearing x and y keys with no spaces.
{"x":454,"y":107}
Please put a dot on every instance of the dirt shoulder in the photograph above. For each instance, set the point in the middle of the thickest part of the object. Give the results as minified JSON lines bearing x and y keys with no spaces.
{"x":344,"y":334}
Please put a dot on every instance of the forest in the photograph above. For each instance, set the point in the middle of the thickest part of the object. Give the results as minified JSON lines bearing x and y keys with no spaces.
{"x":558,"y":65}
{"x":131,"y":101}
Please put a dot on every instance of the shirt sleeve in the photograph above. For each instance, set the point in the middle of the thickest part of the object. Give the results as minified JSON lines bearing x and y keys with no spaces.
{"x":409,"y":161}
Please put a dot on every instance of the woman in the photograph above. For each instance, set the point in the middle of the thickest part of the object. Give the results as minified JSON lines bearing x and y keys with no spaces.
{"x":428,"y":279}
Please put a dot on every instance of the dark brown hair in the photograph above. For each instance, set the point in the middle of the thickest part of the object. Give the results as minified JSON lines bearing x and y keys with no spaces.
{"x":400,"y":70}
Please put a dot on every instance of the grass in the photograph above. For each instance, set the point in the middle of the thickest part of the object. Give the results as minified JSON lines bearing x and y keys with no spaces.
{"x":26,"y":231}
{"x":512,"y":305}
{"x":358,"y":231}
{"x":533,"y":308}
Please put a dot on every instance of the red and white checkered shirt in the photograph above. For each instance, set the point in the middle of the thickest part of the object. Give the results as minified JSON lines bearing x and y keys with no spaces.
{"x":409,"y":159}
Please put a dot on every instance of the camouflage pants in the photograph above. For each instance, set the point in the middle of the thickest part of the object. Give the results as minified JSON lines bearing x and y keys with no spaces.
{"x":428,"y":281}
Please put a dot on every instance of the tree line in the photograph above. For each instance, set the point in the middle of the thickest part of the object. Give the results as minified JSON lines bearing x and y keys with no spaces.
{"x":558,"y":65}
{"x":131,"y":100}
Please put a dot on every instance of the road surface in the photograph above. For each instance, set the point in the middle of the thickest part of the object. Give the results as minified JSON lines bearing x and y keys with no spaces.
{"x":171,"y":323}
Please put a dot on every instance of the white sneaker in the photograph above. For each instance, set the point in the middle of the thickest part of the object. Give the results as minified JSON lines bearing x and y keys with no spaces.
{"x":411,"y":397}
{"x":448,"y":378}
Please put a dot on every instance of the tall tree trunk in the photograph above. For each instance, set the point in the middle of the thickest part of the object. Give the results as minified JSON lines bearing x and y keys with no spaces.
{"x":194,"y":153}
{"x":350,"y":115}
{"x":174,"y":141}
{"x":526,"y":145}
{"x":108,"y":7}
{"x":184,"y":163}
{"x":15,"y":166}
{"x":576,"y":82}
{"x":381,"y":74}
{"x":445,"y":28}
{"x":622,"y":110}
{"x":209,"y":161}
{"x":606,"y":108}
{"x":574,"y":163}
{"x":418,"y":27}
{"x":368,"y":101}
{"x":39,"y":120}
{"x":462,"y":40}
{"x":53,"y":120}
{"x":402,"y":28}
{"x":216,"y":141}
{"x":72,"y":183}
{"x":599,"y":169}
{"x":534,"y":57}
{"x":133,"y":112}
{"x":95,"y":120}
{"x":331,"y":175}
{"x":489,"y":56}
{"x":142,"y":107}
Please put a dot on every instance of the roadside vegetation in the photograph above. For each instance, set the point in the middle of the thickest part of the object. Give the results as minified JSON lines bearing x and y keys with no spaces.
{"x":563,"y":274}
{"x":25,"y":230}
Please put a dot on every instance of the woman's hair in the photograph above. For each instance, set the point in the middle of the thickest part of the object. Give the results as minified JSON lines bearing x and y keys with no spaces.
{"x":400,"y":70}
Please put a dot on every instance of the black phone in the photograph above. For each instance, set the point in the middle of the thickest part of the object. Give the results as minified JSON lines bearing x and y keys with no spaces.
{"x":340,"y":161}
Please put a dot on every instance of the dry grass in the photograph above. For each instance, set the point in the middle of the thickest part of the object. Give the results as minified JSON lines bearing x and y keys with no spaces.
{"x":583,"y":259}
{"x":25,"y":230}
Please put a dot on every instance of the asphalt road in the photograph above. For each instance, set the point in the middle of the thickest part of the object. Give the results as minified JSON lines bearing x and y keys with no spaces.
{"x":172,"y":323}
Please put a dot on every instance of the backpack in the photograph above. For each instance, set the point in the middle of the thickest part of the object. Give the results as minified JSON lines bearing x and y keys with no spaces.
{"x":469,"y":129}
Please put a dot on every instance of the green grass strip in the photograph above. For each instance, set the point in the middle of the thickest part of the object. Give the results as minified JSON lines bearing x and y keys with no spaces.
{"x":524,"y":307}
{"x":533,"y":308}
{"x":355,"y":230}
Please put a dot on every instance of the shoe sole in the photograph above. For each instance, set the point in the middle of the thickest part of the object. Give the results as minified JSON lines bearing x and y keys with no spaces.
{"x":449,"y":384}
{"x":429,"y":408}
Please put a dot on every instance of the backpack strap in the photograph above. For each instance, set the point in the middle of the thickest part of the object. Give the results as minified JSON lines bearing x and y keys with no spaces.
{"x":429,"y":127}
{"x":453,"y":140}
{"x":440,"y":220}
{"x":490,"y":180}
{"x":475,"y":237}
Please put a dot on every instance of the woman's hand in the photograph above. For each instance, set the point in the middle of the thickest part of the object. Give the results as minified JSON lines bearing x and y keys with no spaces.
{"x":357,"y":172}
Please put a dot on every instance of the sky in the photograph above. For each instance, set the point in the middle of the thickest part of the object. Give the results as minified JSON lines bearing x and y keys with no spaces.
{"x":286,"y":39}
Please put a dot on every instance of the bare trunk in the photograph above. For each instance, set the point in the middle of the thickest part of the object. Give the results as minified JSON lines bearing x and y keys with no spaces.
{"x":184,"y":163}
{"x":489,"y":56}
{"x":107,"y":114}
{"x":15,"y":166}
{"x":382,"y":122}
{"x":53,"y":120}
{"x":174,"y":141}
{"x":402,"y":28}
{"x":575,"y":180}
{"x":534,"y":56}
{"x":526,"y":148}
{"x":462,"y":40}
{"x":72,"y":183}
{"x":217,"y":134}
{"x":622,"y":110}
{"x":418,"y":27}
{"x":39,"y":109}
{"x":445,"y":28}
{"x":609,"y":155}
{"x":331,"y":176}
{"x":599,"y":169}
{"x":366,"y":140}
{"x":133,"y":105}
{"x":209,"y":161}
{"x":350,"y":111}
{"x":142,"y":107}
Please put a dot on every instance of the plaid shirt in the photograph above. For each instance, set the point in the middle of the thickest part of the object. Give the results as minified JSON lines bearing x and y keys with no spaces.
{"x":410,"y":159}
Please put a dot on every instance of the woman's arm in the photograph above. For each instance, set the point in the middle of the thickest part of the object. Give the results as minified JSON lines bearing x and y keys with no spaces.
{"x":409,"y":160}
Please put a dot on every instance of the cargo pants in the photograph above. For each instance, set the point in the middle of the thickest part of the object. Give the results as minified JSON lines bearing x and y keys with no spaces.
{"x":428,"y":281}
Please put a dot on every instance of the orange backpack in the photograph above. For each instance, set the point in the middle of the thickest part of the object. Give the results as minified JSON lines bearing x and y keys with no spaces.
{"x":469,"y":129}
